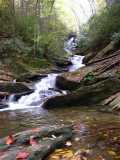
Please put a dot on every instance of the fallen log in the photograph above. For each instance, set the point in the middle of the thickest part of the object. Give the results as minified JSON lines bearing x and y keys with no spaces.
{"x":47,"y":140}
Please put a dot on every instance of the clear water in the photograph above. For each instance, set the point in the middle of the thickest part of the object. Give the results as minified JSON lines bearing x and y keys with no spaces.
{"x":99,"y":132}
{"x":96,"y":131}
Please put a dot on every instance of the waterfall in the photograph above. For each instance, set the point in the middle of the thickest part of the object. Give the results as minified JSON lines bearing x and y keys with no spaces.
{"x":46,"y":88}
{"x":77,"y":62}
{"x":70,"y":45}
{"x":43,"y":90}
{"x":11,"y":98}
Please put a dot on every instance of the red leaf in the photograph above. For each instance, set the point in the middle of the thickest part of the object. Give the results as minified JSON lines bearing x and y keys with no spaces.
{"x":9,"y":140}
{"x":22,"y":155}
{"x":33,"y":141}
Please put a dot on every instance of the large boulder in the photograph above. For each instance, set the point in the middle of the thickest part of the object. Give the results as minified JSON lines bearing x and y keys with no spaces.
{"x":62,"y":62}
{"x":86,"y":95}
{"x":65,"y":84}
{"x":12,"y":88}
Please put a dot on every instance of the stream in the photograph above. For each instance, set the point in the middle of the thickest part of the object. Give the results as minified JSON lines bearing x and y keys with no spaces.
{"x":96,"y":131}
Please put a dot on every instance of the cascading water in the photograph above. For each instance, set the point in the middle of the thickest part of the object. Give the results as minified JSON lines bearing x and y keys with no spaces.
{"x":46,"y":87}
{"x":77,"y":62}
{"x":43,"y":89}
{"x":70,"y":45}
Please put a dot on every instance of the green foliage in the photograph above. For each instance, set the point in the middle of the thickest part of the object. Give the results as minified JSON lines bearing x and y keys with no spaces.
{"x":116,"y":37}
{"x":101,"y":27}
{"x":89,"y":77}
{"x":25,"y":27}
{"x":35,"y":62}
{"x":41,"y":31}
{"x":6,"y":23}
{"x":13,"y":45}
{"x":83,"y":41}
{"x":51,"y":41}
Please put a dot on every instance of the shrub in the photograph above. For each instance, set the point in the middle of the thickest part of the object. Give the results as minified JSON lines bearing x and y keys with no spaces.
{"x":83,"y":42}
{"x":102,"y":26}
{"x":116,"y":37}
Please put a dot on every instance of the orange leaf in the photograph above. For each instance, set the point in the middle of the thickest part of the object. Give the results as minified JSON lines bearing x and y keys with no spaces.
{"x":100,"y":158}
{"x":22,"y":155}
{"x":35,"y":129}
{"x":9,"y":140}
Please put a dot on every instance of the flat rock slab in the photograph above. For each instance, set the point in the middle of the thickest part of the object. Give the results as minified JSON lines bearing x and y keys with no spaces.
{"x":103,"y":67}
{"x":3,"y":106}
{"x":31,"y":77}
{"x":86,"y":95}
{"x":36,"y":143}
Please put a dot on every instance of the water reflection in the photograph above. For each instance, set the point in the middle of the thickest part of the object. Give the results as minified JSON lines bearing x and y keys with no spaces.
{"x":23,"y":119}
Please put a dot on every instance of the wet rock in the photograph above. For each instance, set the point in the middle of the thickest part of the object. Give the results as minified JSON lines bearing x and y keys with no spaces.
{"x":3,"y":95}
{"x":86,"y":95}
{"x":19,"y":95}
{"x":12,"y":88}
{"x":113,"y":102}
{"x":62,"y":62}
{"x":105,"y":67}
{"x":64,"y":84}
{"x":3,"y":106}
{"x":108,"y":50}
{"x":31,"y":77}
{"x":45,"y":144}
{"x":59,"y":70}
{"x":88,"y":57}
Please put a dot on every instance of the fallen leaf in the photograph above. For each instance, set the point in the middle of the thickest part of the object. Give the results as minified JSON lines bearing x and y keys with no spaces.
{"x":68,"y":144}
{"x":33,"y":141}
{"x":100,"y":158}
{"x":77,"y":139}
{"x":53,"y":136}
{"x":61,"y":154}
{"x":112,"y":153}
{"x":22,"y":155}
{"x":9,"y":140}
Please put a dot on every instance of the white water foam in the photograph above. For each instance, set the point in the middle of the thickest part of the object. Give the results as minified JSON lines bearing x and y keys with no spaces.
{"x":43,"y":90}
{"x":77,"y":62}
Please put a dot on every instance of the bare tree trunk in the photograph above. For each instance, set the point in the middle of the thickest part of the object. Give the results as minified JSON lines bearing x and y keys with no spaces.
{"x":36,"y":27}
